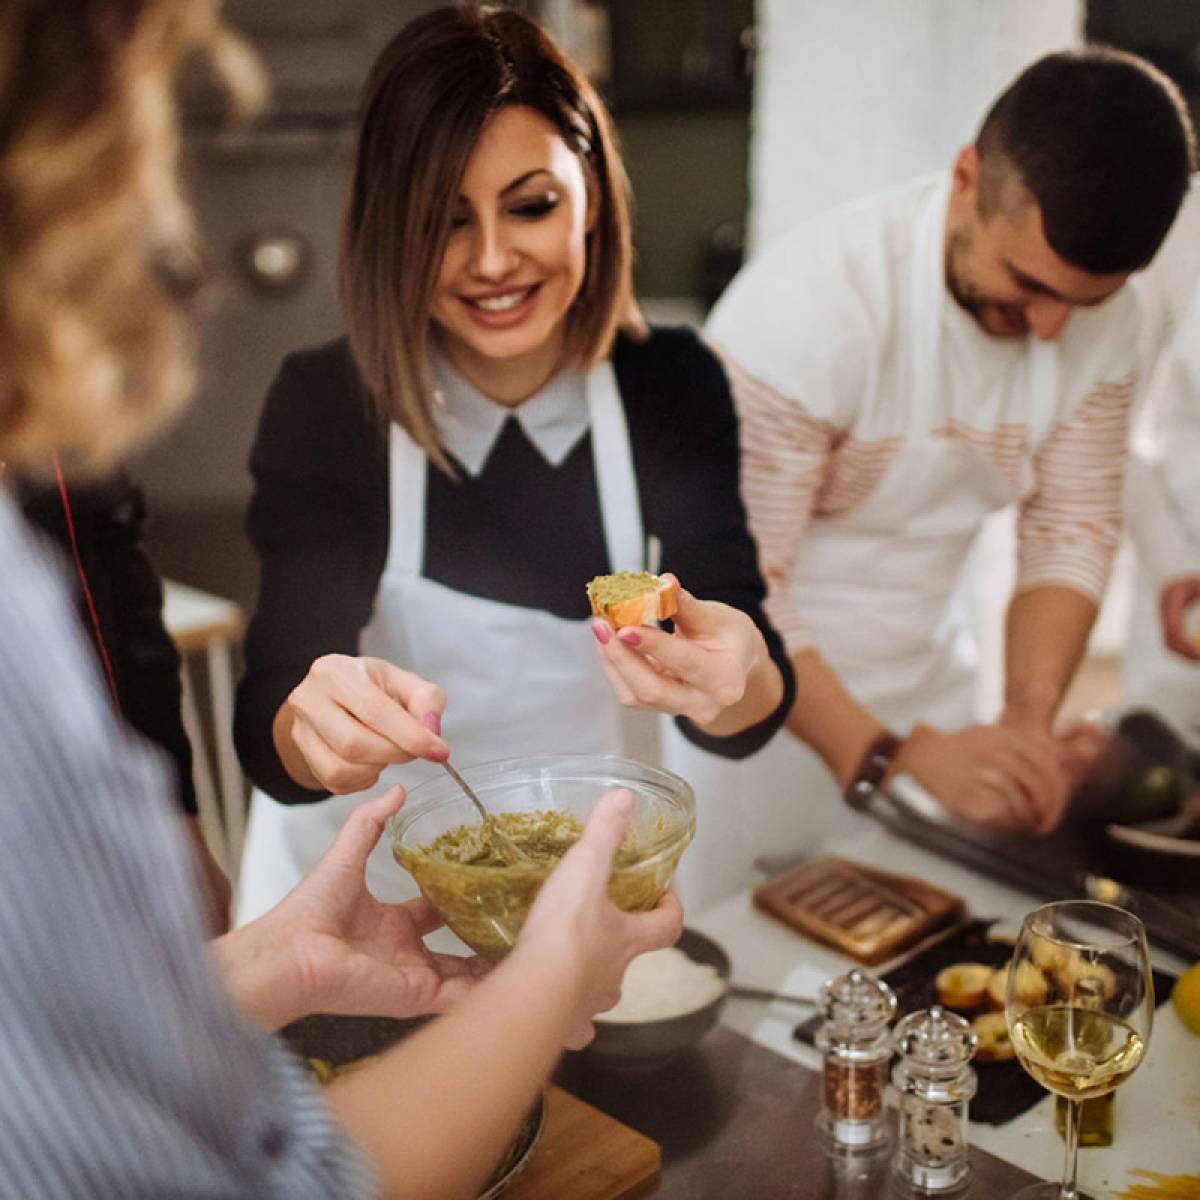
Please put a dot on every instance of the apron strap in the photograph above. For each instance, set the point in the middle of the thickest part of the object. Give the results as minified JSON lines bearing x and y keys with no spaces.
{"x":407,"y":467}
{"x":928,"y":296}
{"x":1043,"y":390}
{"x":616,"y":481}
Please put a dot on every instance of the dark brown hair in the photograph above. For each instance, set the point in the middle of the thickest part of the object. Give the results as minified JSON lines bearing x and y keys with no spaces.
{"x":425,"y":103}
{"x":1103,"y":142}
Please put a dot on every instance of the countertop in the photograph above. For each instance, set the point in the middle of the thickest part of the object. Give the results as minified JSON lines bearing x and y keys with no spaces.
{"x":1157,"y":1111}
{"x":736,"y":1122}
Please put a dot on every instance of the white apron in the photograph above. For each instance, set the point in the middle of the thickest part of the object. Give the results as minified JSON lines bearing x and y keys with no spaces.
{"x":1161,"y":513}
{"x":876,"y":585}
{"x":519,"y":680}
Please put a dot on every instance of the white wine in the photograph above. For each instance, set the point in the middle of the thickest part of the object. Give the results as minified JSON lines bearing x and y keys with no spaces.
{"x":1076,"y":1052}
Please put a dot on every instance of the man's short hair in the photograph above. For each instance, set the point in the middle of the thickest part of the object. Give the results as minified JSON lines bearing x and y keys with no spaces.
{"x":1103,"y":142}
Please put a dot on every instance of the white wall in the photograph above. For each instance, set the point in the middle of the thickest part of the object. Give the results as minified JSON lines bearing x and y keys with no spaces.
{"x":854,"y":95}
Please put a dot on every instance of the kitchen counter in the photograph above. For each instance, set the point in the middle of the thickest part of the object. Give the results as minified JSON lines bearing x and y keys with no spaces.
{"x":735,"y":1122}
{"x":1157,"y":1111}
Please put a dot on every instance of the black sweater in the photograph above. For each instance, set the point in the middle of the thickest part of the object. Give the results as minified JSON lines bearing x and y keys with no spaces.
{"x":521,"y":532}
{"x":109,"y":519}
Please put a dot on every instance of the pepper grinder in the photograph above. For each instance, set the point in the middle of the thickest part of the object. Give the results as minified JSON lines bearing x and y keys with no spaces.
{"x":934,"y":1081}
{"x":858,"y":1008}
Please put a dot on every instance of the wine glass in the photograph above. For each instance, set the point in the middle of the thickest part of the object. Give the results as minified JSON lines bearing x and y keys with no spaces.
{"x":1080,"y":1004}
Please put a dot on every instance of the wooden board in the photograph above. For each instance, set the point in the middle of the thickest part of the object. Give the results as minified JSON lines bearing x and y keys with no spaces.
{"x":585,"y":1155}
{"x":864,"y":912}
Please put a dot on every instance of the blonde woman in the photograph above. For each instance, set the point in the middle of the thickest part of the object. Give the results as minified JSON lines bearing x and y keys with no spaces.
{"x":499,"y":427}
{"x":135,"y":1065}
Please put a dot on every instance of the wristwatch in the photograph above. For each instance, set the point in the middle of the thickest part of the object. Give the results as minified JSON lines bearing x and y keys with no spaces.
{"x":875,"y":762}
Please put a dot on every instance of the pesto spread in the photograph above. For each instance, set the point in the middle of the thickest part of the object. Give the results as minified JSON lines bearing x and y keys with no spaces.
{"x":485,"y":898}
{"x":605,"y":591}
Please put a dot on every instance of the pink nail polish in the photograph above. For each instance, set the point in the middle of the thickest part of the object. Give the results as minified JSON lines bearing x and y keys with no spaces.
{"x":630,"y":637}
{"x":601,"y":632}
{"x":433,"y":722}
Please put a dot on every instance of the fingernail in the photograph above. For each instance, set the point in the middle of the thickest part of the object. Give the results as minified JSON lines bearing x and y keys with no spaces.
{"x":623,"y":802}
{"x":433,"y":722}
{"x":601,"y":631}
{"x":630,"y":637}
{"x":439,"y":754}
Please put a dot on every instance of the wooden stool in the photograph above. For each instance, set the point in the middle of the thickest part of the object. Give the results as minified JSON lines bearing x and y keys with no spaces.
{"x":199,"y":621}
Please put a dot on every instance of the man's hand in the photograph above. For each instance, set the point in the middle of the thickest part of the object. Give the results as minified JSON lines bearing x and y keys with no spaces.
{"x":1083,"y":743}
{"x":1174,"y":600}
{"x":330,"y":946}
{"x":1008,"y":779}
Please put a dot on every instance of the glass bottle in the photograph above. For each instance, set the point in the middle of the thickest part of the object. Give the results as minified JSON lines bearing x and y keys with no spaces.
{"x":934,"y":1083}
{"x":858,"y":1008}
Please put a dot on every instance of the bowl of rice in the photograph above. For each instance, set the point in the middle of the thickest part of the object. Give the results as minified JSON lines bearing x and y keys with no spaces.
{"x":669,"y":1000}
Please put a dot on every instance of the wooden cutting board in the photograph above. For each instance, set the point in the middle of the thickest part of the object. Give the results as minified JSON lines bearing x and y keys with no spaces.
{"x":585,"y":1155}
{"x":866,"y":913}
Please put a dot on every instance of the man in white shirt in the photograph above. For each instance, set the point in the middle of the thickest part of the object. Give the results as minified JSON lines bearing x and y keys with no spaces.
{"x":912,"y":362}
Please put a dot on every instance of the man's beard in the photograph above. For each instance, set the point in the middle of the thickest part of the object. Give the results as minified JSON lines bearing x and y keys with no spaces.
{"x":990,"y":315}
{"x":965,"y":296}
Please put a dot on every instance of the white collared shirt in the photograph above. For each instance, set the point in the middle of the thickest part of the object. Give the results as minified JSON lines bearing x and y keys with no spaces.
{"x":468,"y":423}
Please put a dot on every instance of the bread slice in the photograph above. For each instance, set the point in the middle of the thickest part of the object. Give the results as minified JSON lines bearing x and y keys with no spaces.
{"x":963,"y":985}
{"x":993,"y":1043}
{"x":1032,"y":986}
{"x":632,"y":598}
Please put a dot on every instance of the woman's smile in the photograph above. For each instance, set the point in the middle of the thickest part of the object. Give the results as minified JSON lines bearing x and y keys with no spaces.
{"x":502,"y":309}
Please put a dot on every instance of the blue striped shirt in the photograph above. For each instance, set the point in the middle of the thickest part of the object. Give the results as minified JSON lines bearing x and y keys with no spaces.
{"x":125,"y":1071}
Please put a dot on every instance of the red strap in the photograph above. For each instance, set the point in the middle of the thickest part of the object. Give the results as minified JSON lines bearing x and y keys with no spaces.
{"x":83,"y":581}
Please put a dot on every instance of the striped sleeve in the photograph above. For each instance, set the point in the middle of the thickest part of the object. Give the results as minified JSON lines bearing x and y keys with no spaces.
{"x":785,"y":459}
{"x":127,"y":1073}
{"x":1068,"y":528}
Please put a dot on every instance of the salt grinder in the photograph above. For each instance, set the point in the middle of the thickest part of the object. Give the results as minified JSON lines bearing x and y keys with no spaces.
{"x":856,"y":1045}
{"x":934,"y":1082}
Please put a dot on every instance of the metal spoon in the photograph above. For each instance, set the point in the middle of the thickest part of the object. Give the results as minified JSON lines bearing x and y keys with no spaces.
{"x":746,"y":992}
{"x":499,"y":839}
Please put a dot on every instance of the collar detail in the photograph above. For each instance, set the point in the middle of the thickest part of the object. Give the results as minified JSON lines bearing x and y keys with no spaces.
{"x":468,"y":423}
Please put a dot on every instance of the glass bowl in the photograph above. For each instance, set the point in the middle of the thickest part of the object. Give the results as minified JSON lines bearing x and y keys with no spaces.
{"x":485,"y":904}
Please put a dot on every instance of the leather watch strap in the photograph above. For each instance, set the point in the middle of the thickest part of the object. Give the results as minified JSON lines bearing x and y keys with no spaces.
{"x":875,"y":762}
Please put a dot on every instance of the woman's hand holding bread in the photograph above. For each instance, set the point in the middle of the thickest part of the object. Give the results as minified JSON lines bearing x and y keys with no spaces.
{"x":714,"y":664}
{"x":349,"y":718}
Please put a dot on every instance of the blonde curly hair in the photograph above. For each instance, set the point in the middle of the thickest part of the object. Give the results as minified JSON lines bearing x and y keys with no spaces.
{"x":95,"y":240}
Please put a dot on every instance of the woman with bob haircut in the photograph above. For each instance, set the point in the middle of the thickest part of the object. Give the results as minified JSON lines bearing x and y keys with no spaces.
{"x":493,"y":335}
{"x":146,"y":1070}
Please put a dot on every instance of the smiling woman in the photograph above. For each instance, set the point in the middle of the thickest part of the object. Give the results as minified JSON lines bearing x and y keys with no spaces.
{"x":516,"y":256}
{"x":477,"y":131}
{"x":493,"y":333}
